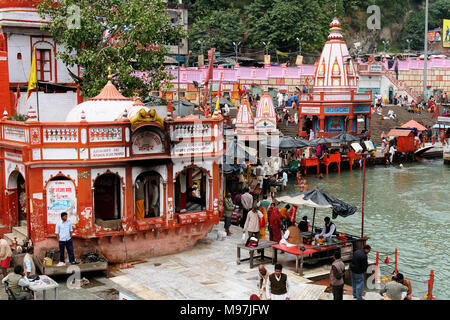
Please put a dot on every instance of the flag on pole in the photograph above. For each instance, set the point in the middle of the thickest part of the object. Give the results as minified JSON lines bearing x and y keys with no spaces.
{"x":32,"y":80}
{"x":219,"y":93}
{"x":284,"y":54}
{"x":17,"y":95}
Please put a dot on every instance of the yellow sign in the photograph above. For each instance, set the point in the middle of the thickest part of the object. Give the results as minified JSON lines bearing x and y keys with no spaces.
{"x":201,"y":60}
{"x":446,"y":34}
{"x":267,"y":59}
{"x":299,"y":60}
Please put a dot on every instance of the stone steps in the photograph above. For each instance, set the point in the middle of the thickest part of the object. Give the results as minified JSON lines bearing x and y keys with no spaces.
{"x":20,"y":233}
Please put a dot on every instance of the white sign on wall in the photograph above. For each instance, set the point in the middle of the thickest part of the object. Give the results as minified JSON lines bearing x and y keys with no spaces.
{"x":193,"y":147}
{"x":61,"y":197}
{"x":311,"y":110}
{"x":107,"y":153}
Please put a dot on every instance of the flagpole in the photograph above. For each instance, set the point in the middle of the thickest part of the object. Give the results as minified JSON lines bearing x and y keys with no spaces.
{"x":37,"y":86}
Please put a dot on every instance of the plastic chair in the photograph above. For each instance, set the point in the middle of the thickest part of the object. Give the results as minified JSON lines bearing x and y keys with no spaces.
{"x":10,"y":293}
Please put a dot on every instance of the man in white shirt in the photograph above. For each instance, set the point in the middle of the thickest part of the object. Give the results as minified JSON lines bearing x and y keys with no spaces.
{"x":278,"y":285}
{"x":63,"y":232}
{"x":328,"y":229}
{"x":285,"y":180}
{"x":28,"y":263}
{"x":392,"y":151}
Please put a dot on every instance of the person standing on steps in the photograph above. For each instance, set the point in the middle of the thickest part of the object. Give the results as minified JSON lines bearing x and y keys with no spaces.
{"x":63,"y":232}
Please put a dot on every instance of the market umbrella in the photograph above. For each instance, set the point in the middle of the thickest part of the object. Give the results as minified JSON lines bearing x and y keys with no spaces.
{"x":320,"y":199}
{"x":346,"y":138}
{"x":322,"y":140}
{"x":285,"y":142}
{"x":223,"y":101}
{"x":182,"y":108}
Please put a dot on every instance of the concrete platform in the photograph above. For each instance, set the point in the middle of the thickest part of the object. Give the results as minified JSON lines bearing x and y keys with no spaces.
{"x":209,"y":271}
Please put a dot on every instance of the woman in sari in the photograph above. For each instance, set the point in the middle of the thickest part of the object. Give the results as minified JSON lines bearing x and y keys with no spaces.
{"x":262,"y":230}
{"x":275,"y":224}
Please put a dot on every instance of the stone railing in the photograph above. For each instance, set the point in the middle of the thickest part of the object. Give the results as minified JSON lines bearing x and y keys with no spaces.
{"x":56,"y":135}
{"x":183,"y":131}
{"x":107,"y":134}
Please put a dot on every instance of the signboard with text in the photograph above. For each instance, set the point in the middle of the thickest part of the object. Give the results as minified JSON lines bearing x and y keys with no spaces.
{"x":61,"y":197}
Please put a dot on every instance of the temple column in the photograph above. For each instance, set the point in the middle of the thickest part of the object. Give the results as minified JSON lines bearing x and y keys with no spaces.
{"x":350,"y":124}
{"x":322,"y":124}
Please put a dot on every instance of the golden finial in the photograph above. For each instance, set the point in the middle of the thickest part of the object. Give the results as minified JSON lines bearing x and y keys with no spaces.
{"x":109,"y":75}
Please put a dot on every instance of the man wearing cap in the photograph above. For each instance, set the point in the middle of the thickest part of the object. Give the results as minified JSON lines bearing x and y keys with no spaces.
{"x":278,"y":286}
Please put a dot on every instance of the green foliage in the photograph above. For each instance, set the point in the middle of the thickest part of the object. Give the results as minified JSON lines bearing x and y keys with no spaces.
{"x":218,"y":29}
{"x":414,"y":27}
{"x":18,"y":117}
{"x":125,"y":35}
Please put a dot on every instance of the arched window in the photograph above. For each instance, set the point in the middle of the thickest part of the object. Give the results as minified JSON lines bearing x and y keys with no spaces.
{"x":191,"y":190}
{"x":107,"y":201}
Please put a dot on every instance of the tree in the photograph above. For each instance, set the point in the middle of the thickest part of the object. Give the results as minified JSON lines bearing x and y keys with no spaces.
{"x":217,"y":29}
{"x":127,"y":35}
{"x":282,"y":22}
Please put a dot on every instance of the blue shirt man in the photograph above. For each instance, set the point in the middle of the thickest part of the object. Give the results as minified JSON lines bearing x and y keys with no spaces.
{"x":63,"y":232}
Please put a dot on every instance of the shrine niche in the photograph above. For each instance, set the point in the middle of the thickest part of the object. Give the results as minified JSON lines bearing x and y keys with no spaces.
{"x":147,"y":142}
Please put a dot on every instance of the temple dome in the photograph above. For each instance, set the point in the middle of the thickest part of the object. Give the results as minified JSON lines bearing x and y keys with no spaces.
{"x":244,"y":118}
{"x":335,"y":69}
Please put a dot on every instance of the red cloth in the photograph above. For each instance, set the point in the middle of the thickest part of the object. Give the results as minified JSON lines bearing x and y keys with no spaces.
{"x":292,"y":214}
{"x":275,"y":224}
{"x":254,"y":297}
{"x":386,"y":260}
{"x":5,"y":263}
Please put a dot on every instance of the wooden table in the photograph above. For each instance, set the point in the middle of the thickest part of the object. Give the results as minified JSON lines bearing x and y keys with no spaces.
{"x":261,"y":246}
{"x":43,"y":284}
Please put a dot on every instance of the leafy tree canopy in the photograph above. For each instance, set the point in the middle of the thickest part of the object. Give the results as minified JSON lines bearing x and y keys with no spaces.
{"x":127,"y":35}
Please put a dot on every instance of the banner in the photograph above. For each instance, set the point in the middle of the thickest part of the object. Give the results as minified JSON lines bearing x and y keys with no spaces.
{"x":201,"y":60}
{"x":299,"y":60}
{"x":284,"y":54}
{"x":446,"y":34}
{"x":267,"y":59}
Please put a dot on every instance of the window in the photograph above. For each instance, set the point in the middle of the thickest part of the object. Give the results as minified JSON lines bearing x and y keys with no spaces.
{"x":44,"y":64}
{"x":191,"y":188}
{"x":107,"y":201}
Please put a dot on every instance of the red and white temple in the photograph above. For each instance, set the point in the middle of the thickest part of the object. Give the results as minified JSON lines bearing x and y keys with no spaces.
{"x":334,"y":106}
{"x":110,"y":153}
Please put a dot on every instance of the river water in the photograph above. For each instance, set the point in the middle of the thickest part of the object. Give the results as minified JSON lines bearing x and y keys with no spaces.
{"x":407,"y":209}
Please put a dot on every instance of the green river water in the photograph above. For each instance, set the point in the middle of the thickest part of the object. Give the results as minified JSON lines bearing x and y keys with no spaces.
{"x":407,"y":209}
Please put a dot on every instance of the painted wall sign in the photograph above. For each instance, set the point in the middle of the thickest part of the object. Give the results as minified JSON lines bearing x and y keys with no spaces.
{"x":361,"y":109}
{"x":315,"y":110}
{"x":107,"y":153}
{"x":265,"y":124}
{"x":13,"y":156}
{"x":61,"y":197}
{"x":14,"y":133}
{"x":147,"y":142}
{"x":337,"y":109}
{"x":193,"y":147}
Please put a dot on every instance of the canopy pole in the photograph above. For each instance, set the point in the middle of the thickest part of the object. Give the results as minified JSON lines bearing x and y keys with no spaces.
{"x":363,"y":192}
{"x":314,"y":217}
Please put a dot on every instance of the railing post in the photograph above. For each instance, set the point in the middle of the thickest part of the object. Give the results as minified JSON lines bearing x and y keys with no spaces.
{"x":430,"y":286}
{"x":396,"y":260}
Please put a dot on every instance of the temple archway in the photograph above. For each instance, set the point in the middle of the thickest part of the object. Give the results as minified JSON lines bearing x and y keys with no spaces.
{"x":16,"y":199}
{"x":191,"y":188}
{"x":148,"y":192}
{"x":108,"y":201}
